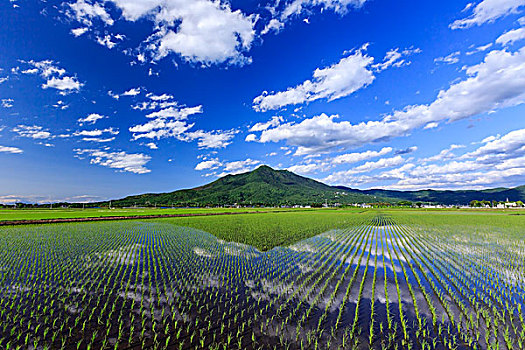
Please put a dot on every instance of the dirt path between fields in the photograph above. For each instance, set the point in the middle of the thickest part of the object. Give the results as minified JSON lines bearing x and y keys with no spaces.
{"x":112,"y":218}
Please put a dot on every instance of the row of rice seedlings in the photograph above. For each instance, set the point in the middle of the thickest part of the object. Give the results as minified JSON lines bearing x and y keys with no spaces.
{"x":471,"y":320}
{"x":337,"y":257}
{"x":462,"y":326}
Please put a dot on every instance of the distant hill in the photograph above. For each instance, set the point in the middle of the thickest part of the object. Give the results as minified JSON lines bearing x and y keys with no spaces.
{"x":267,"y":186}
{"x":450,"y":197}
{"x":263,"y":185}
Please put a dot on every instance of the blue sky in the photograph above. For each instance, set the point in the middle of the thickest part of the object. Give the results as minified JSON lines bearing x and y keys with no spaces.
{"x":102,"y":99}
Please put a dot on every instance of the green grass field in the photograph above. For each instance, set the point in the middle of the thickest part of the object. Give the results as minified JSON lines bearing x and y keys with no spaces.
{"x":59,"y":213}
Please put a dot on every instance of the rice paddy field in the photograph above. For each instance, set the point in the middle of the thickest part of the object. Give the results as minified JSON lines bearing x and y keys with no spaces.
{"x":298,"y":280}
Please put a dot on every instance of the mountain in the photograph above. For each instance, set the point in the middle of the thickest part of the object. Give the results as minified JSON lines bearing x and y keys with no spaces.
{"x":267,"y":186}
{"x":263,"y":185}
{"x":449,"y":197}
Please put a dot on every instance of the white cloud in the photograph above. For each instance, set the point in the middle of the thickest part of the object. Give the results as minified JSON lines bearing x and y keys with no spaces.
{"x":306,"y":168}
{"x":208,"y":32}
{"x":151,"y":145}
{"x":79,"y":31}
{"x":96,"y":132}
{"x":160,"y":128}
{"x":240,"y":166}
{"x":480,"y":49}
{"x":12,"y":150}
{"x":98,"y":139}
{"x":495,"y":83}
{"x":55,"y":76}
{"x":208,"y":164}
{"x":395,"y":58}
{"x":350,"y":158}
{"x":7,"y":102}
{"x":212,"y":139}
{"x":511,"y":36}
{"x":341,"y":79}
{"x":449,"y":59}
{"x":163,"y":97}
{"x":488,"y":11}
{"x":178,"y":113}
{"x":342,"y":176}
{"x":170,"y":122}
{"x":90,"y":119}
{"x":131,"y":92}
{"x":445,"y":154}
{"x":61,"y":105}
{"x":509,"y":145}
{"x":64,"y":84}
{"x":406,"y":150}
{"x":32,"y":131}
{"x":275,"y":121}
{"x":107,"y":40}
{"x":84,"y":12}
{"x":499,"y":161}
{"x":134,"y":162}
{"x":250,"y":138}
{"x":297,"y":7}
{"x":431,"y":125}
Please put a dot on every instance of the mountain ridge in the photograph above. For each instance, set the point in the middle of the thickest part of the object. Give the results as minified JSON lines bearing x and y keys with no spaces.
{"x":267,"y":186}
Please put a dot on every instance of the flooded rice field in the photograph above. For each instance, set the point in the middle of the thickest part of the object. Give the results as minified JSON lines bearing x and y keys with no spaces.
{"x":139,"y":285}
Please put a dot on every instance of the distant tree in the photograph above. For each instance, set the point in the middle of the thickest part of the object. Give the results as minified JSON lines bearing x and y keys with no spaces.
{"x":476,"y":203}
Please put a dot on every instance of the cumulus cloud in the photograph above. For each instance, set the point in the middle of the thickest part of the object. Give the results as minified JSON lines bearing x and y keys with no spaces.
{"x":250,"y":138}
{"x":208,"y":164}
{"x":406,"y":150}
{"x":500,"y":147}
{"x":284,"y":10}
{"x":109,"y":40}
{"x":488,"y":11}
{"x":307,"y":168}
{"x":7,"y":102}
{"x":12,"y":150}
{"x":32,"y":131}
{"x":131,"y":92}
{"x":96,"y":132}
{"x":351,"y":158}
{"x":122,"y":161}
{"x":341,"y":79}
{"x":395,"y":58}
{"x":90,"y":119}
{"x":54,"y":75}
{"x":240,"y":166}
{"x":211,"y":139}
{"x":64,"y":84}
{"x":171,"y":122}
{"x":495,"y":83}
{"x":511,"y":36}
{"x":499,"y":161}
{"x":79,"y":31}
{"x":351,"y":73}
{"x":341,"y":176}
{"x":275,"y":121}
{"x":151,"y":145}
{"x":86,"y":11}
{"x":449,"y":59}
{"x":208,"y":32}
{"x":444,"y":154}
